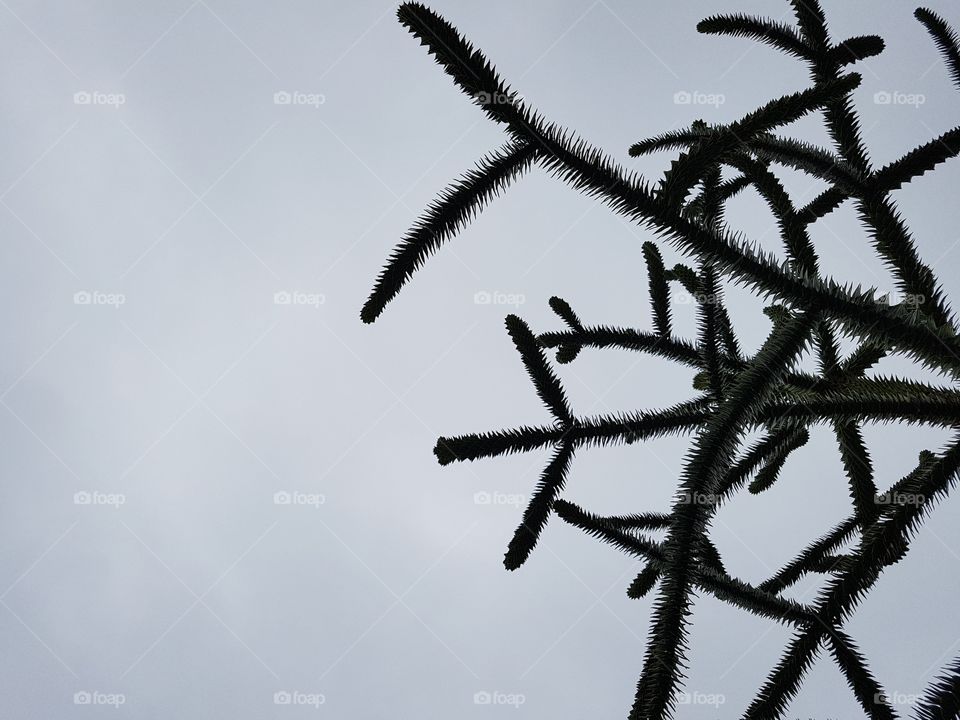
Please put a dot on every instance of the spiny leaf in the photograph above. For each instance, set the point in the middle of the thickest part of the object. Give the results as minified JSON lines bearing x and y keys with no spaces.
{"x":774,"y":697}
{"x":728,"y":189}
{"x":644,"y":582}
{"x":595,"y":526}
{"x":832,"y":564}
{"x":547,"y":384}
{"x":941,"y":409}
{"x":809,"y":158}
{"x":770,"y":472}
{"x":941,"y":701}
{"x":822,"y":205}
{"x":562,"y":308}
{"x":641,"y":521}
{"x":621,"y":428}
{"x":676,"y":139}
{"x":793,"y":230}
{"x":892,"y":240}
{"x":858,"y":468}
{"x":625,"y":338}
{"x":863,"y":358}
{"x":811,"y":558}
{"x":946,"y":39}
{"x":444,"y":218}
{"x":723,"y":586}
{"x":918,"y":161}
{"x":659,"y":292}
{"x":812,"y":22}
{"x":772,"y":32}
{"x":865,"y":687}
{"x":492,"y":444}
{"x":778,"y":313}
{"x":829,"y":353}
{"x":566,"y":353}
{"x":710,"y":555}
{"x":709,"y":344}
{"x":686,"y":276}
{"x":468,"y":67}
{"x":538,"y":509}
{"x":762,"y":452}
{"x":856,"y":48}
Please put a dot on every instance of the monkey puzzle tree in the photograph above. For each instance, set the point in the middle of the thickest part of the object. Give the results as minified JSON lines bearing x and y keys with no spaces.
{"x":736,"y":393}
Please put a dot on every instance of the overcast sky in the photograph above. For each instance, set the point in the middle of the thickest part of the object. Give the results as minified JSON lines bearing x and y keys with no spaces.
{"x":218,"y":488}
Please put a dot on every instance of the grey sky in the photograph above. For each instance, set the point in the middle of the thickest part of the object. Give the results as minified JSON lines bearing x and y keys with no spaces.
{"x":148,"y":162}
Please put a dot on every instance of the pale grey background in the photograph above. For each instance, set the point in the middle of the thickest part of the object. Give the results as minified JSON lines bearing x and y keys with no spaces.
{"x":199,"y":398}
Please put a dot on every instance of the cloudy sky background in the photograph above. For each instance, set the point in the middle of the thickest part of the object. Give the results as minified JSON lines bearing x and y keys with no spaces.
{"x":145,"y":165}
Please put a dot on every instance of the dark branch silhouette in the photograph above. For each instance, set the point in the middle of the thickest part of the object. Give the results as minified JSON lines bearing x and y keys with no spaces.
{"x":808,"y":309}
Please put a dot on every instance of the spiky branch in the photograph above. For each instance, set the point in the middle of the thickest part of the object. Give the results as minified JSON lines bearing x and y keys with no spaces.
{"x":766,"y":391}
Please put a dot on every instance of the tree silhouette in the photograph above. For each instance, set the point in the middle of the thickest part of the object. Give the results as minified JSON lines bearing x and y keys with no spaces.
{"x":736,"y":393}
